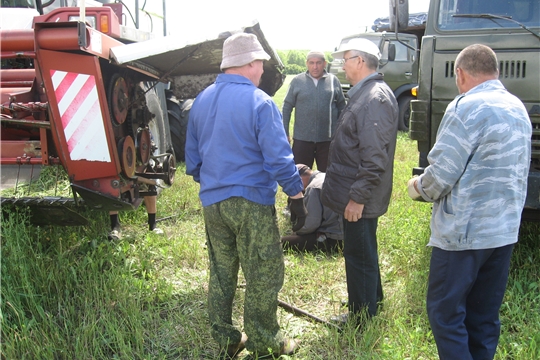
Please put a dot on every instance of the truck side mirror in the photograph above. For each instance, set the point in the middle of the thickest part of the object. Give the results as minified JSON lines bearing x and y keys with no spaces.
{"x":391,"y":52}
{"x":399,"y":14}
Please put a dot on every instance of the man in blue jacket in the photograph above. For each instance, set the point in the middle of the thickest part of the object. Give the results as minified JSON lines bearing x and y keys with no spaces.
{"x":237,"y":150}
{"x":477,"y":181}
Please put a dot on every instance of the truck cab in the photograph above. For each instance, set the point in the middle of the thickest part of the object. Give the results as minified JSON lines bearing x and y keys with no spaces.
{"x":512,"y":29}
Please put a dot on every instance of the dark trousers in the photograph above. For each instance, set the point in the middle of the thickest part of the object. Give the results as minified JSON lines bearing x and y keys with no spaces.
{"x":465,"y":292}
{"x":362,"y":266}
{"x":305,"y":152}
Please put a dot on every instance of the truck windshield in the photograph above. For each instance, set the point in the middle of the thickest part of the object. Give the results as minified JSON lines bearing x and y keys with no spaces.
{"x":25,"y":4}
{"x":525,"y":12}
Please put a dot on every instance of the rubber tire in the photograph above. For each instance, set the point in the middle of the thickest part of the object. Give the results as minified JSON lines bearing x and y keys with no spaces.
{"x":178,"y":120}
{"x":422,"y":159}
{"x":157,"y":125}
{"x":404,"y":104}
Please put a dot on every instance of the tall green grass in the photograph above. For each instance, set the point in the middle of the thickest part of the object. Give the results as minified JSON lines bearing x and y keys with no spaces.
{"x":68,"y":293}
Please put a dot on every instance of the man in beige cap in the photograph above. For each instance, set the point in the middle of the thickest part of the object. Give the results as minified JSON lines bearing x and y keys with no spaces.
{"x":318,"y":100}
{"x":237,"y":150}
{"x":358,"y":181}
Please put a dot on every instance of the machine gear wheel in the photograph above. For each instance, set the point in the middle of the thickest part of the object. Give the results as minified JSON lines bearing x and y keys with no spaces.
{"x":118,"y":95}
{"x":126,"y":150}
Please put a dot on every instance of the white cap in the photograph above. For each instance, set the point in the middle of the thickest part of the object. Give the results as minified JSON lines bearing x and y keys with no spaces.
{"x":358,"y":44}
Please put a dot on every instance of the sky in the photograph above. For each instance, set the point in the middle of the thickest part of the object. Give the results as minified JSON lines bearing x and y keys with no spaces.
{"x":286,"y":24}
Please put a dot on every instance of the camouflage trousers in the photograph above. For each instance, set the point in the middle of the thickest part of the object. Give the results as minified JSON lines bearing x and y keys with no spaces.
{"x":243,"y":233}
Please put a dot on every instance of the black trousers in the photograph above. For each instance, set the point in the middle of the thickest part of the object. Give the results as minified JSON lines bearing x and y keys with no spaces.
{"x":362,"y":266}
{"x":306,"y":152}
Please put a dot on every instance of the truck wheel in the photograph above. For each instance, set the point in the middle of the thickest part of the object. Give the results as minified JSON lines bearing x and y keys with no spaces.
{"x":404,"y":104}
{"x":422,"y":159}
{"x":178,"y":119}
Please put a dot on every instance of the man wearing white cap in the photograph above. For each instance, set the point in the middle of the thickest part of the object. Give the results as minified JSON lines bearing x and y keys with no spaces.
{"x":317,"y":99}
{"x":358,"y":181}
{"x":237,"y":150}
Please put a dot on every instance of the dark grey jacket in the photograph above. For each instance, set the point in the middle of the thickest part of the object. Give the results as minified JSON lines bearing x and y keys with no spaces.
{"x":317,"y":108}
{"x":320,"y":218}
{"x":362,"y":152}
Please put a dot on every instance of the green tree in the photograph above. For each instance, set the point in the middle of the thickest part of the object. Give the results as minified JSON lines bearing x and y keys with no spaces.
{"x":296,"y":57}
{"x":294,"y":69}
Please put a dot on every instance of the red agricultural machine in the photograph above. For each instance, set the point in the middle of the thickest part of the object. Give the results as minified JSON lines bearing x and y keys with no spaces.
{"x":79,"y":90}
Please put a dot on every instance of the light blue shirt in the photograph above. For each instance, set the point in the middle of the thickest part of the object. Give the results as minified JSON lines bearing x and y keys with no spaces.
{"x":477,"y":177}
{"x":236,"y":144}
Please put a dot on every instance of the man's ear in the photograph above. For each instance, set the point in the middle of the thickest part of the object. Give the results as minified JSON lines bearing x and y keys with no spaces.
{"x":461,"y":79}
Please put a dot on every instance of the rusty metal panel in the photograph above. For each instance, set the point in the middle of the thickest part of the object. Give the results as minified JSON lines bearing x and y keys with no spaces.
{"x":168,"y":60}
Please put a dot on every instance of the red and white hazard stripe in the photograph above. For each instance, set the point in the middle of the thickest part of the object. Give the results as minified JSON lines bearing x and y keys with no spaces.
{"x":79,"y":108}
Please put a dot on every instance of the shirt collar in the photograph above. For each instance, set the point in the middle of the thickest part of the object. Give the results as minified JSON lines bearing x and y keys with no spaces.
{"x":357,"y":87}
{"x":232,"y":78}
{"x":495,"y":83}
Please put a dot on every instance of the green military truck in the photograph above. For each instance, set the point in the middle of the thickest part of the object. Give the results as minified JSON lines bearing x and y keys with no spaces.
{"x":399,"y":61}
{"x":512,"y":29}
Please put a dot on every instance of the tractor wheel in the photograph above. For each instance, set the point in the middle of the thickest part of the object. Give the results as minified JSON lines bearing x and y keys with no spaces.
{"x":157,"y":124}
{"x":178,"y":119}
{"x":404,"y":104}
{"x":155,"y":101}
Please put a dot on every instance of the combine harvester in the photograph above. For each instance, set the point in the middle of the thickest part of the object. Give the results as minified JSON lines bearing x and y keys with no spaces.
{"x":83,"y":89}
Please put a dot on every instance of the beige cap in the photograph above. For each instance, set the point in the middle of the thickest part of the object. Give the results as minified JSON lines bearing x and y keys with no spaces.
{"x":241,"y":49}
{"x":358,"y":44}
{"x":314,"y":53}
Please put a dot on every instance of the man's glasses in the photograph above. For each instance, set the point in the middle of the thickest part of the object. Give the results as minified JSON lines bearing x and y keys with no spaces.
{"x":344,"y":60}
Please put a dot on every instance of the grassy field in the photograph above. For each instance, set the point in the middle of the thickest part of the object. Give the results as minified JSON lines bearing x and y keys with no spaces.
{"x":68,"y":293}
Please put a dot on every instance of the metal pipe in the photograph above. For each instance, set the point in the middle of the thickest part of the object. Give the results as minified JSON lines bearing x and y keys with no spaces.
{"x":82,"y":11}
{"x":301,"y":313}
{"x":164,"y":18}
{"x":27,"y":123}
{"x":21,"y":161}
{"x":58,"y":39}
{"x":145,"y":180}
{"x":17,"y":40}
{"x":136,"y":14}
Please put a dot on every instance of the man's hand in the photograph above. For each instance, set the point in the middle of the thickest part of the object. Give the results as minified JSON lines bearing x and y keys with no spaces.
{"x":298,"y":213}
{"x":412,"y":189}
{"x":353,"y":211}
